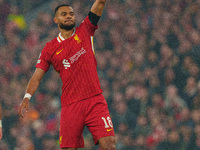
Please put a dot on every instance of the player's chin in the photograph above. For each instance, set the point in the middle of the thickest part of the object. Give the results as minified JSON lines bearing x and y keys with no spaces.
{"x":68,"y":24}
{"x":67,"y":27}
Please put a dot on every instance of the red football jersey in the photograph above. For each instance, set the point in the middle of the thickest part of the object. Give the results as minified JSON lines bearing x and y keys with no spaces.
{"x":74,"y":59}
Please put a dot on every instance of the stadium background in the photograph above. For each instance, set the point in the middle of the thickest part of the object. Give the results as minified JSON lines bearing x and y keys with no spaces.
{"x":148,"y":55}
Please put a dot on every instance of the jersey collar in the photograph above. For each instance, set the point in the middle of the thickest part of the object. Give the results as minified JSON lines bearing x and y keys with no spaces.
{"x":60,"y":38}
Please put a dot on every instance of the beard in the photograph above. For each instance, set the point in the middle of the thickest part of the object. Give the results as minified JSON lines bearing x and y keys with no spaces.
{"x":67,"y":27}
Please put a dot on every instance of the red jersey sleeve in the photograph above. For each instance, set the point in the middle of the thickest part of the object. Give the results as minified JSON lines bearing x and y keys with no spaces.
{"x":88,"y":26}
{"x":44,"y":59}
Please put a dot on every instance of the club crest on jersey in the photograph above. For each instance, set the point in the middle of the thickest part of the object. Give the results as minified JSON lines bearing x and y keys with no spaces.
{"x":77,"y":39}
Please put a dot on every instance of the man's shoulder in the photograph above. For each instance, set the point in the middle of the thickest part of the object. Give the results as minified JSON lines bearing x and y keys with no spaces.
{"x":53,"y":42}
{"x":51,"y":45}
{"x":85,"y":21}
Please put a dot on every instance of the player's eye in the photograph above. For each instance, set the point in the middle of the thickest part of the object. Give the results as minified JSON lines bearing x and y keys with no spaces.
{"x":71,"y":14}
{"x":63,"y":13}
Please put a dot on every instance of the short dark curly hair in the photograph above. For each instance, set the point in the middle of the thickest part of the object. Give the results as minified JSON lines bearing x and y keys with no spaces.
{"x":56,"y":9}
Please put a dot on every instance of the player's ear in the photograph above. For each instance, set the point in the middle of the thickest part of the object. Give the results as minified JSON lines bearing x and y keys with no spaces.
{"x":55,"y":20}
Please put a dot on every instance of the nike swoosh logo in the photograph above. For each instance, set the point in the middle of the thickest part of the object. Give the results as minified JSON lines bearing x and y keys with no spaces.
{"x":109,"y":130}
{"x":59,"y":51}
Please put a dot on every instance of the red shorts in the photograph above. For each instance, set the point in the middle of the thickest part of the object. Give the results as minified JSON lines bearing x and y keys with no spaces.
{"x":93,"y":113}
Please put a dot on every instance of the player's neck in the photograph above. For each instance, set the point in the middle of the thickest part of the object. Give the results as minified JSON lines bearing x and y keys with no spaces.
{"x":67,"y":33}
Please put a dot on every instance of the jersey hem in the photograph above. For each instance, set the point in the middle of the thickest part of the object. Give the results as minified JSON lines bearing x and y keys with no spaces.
{"x":80,"y":100}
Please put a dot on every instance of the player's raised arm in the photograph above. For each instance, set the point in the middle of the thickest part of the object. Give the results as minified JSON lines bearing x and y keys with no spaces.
{"x":97,"y":7}
{"x":31,"y":88}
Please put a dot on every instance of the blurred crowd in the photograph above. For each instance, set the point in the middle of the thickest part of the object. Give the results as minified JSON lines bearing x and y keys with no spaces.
{"x":148,"y":55}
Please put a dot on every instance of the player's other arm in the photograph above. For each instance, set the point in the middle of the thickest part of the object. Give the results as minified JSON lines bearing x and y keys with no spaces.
{"x":97,"y":7}
{"x":31,"y":88}
{"x":0,"y":124}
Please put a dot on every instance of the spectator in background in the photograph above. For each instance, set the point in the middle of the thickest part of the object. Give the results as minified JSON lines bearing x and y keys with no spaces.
{"x":197,"y":136}
{"x":16,"y":18}
{"x":173,"y":102}
{"x":185,"y":118}
{"x":3,"y":145}
{"x":124,"y":120}
{"x":158,"y":133}
{"x":190,"y":92}
{"x":142,"y":127}
{"x":5,"y":10}
{"x":173,"y":141}
{"x":140,"y":143}
{"x":195,"y":116}
{"x":187,"y":137}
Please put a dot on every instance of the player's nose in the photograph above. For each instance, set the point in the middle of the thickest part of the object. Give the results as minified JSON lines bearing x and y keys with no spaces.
{"x":68,"y":16}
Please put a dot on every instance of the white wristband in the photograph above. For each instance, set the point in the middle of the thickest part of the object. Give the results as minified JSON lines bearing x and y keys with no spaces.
{"x":27,"y":95}
{"x":0,"y":124}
